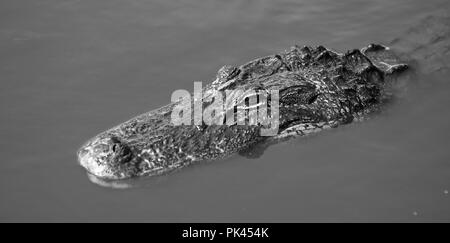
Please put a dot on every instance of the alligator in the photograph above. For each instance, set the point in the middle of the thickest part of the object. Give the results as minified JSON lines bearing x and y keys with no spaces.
{"x":318,"y":89}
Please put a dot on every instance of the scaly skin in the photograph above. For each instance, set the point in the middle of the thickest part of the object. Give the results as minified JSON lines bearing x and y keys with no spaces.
{"x":319,"y":89}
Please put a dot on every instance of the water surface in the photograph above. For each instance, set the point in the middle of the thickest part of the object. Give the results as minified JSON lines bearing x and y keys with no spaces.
{"x":70,"y":69}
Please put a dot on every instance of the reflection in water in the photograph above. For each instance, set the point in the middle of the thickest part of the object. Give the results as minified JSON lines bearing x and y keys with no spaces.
{"x":115,"y":184}
{"x":144,"y":182}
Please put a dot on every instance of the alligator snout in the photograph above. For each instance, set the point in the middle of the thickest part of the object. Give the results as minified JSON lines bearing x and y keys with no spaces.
{"x":105,"y":157}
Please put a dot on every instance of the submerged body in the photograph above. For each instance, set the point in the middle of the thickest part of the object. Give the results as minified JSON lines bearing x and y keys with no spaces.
{"x":318,"y":89}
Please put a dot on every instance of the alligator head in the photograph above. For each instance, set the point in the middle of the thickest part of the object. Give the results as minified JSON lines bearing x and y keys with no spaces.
{"x":318,"y":88}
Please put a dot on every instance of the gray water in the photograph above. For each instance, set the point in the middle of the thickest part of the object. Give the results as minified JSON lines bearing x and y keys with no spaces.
{"x":70,"y":69}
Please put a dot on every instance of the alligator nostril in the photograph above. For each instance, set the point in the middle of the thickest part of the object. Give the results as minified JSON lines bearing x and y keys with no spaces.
{"x":120,"y":152}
